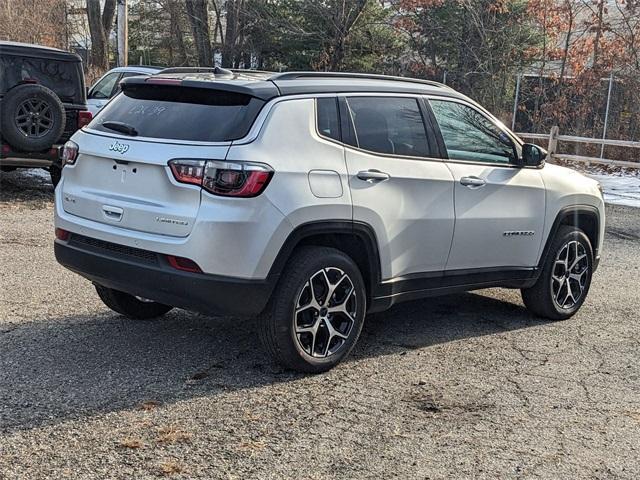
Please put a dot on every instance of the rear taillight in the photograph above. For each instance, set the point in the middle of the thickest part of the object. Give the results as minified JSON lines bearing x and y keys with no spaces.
{"x":228,"y":179}
{"x":69,"y":153}
{"x":188,"y":171}
{"x":84,"y":118}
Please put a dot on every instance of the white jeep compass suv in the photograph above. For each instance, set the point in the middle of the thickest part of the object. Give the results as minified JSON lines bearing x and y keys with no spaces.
{"x":312,"y":199}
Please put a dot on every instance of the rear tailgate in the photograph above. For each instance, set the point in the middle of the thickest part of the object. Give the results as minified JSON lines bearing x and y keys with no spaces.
{"x":121,"y":176}
{"x":127,"y":183}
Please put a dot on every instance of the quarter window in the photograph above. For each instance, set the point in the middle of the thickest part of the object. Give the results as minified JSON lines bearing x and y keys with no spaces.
{"x":470,"y":136}
{"x":389,"y":125}
{"x":328,"y":120}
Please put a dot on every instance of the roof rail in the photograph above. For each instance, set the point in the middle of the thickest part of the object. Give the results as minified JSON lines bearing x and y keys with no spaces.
{"x":157,"y":67}
{"x":345,"y":75}
{"x":214,"y":70}
{"x":251,"y":70}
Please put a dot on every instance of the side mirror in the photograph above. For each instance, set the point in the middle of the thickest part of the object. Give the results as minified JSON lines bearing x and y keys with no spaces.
{"x":532,"y":155}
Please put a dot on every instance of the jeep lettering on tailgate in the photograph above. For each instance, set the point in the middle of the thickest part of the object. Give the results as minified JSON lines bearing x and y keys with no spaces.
{"x":121,"y":148}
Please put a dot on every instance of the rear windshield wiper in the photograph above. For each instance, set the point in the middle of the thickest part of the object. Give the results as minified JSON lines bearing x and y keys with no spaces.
{"x":120,"y":127}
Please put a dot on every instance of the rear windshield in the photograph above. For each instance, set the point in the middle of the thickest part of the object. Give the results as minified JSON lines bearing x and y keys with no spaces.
{"x":64,"y":78}
{"x":181,"y":113}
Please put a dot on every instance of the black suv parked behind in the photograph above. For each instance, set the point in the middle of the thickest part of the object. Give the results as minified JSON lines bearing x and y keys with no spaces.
{"x":42,"y":103}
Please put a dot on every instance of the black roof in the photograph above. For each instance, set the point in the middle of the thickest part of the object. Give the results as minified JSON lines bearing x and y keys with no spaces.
{"x":267,"y":85}
{"x":31,"y":50}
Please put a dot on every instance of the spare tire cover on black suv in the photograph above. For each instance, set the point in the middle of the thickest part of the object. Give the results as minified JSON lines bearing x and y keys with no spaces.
{"x":32,"y":117}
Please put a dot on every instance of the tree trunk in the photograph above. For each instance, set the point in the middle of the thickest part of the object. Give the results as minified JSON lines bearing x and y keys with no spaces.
{"x":179,"y":57}
{"x":199,"y":20}
{"x":229,"y":47}
{"x":100,"y":24}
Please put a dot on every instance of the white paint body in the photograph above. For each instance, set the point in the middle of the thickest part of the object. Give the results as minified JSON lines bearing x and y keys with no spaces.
{"x":424,"y":219}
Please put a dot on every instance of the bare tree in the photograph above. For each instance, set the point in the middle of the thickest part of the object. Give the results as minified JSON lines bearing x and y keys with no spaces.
{"x":100,"y":24}
{"x":177,"y":48}
{"x":198,"y":15}
{"x":34,"y":21}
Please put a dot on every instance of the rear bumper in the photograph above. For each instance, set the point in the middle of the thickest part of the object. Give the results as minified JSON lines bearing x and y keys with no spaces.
{"x":155,"y":279}
{"x":14,"y":158}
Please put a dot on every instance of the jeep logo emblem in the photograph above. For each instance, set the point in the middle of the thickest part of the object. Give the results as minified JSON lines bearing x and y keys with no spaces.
{"x":121,"y":148}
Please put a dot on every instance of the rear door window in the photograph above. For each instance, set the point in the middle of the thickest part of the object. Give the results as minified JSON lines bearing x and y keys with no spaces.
{"x":389,"y":125}
{"x":181,"y":113}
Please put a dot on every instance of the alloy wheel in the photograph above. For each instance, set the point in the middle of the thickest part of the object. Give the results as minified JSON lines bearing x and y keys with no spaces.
{"x":34,"y":118}
{"x":569,"y":275}
{"x":325,"y":312}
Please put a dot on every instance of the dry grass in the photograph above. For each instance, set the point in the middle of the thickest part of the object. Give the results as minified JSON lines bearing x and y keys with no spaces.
{"x":170,"y":468}
{"x":131,"y":442}
{"x":251,"y":445}
{"x":168,"y":435}
{"x":149,"y":405}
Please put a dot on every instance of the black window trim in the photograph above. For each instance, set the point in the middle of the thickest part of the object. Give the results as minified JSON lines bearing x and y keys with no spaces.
{"x":489,"y":117}
{"x":348,"y":129}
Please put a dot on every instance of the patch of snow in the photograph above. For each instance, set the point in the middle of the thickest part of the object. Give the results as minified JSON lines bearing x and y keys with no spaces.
{"x":37,"y":172}
{"x":620,"y":189}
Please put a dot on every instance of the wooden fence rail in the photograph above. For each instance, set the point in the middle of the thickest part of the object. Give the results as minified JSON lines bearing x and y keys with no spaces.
{"x":554,"y":137}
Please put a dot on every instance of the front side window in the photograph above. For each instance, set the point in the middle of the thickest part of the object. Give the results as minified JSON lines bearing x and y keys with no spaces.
{"x":105,"y":86}
{"x":470,"y":136}
{"x":389,"y":125}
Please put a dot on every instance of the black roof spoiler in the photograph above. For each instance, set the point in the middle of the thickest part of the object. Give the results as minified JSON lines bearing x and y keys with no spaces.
{"x":224,"y":81}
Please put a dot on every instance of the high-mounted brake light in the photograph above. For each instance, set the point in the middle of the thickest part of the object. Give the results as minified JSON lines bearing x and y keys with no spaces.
{"x":163,"y":81}
{"x":69,"y":153}
{"x":228,"y":179}
{"x":84,"y":118}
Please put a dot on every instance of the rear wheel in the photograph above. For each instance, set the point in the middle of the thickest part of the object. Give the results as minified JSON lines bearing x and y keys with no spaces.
{"x":130,"y":306}
{"x":565,"y":278}
{"x":317,"y":311}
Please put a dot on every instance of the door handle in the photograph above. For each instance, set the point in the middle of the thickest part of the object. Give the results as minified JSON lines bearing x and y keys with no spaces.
{"x":112,"y":213}
{"x":373,"y":176}
{"x":472,"y":182}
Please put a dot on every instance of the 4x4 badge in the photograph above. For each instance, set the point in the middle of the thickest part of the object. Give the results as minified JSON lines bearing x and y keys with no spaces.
{"x":121,"y":148}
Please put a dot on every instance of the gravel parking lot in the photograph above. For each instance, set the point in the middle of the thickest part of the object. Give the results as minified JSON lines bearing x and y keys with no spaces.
{"x":464,"y":386}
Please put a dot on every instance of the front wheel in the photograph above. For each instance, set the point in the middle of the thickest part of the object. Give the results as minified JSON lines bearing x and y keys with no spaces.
{"x":131,"y":307}
{"x":565,"y":279}
{"x":317,"y":311}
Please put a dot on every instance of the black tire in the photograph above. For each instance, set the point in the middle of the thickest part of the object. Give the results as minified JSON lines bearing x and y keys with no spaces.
{"x":55,"y":172}
{"x":130,"y":306}
{"x":32,"y":118}
{"x":541,"y":299}
{"x":276,"y":325}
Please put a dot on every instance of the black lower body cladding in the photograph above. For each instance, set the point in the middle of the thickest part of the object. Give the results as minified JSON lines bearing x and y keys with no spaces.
{"x":158,"y":281}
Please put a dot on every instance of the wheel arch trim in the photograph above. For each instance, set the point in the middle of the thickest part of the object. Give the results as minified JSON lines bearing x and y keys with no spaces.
{"x":561,"y":216}
{"x":359,"y":230}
